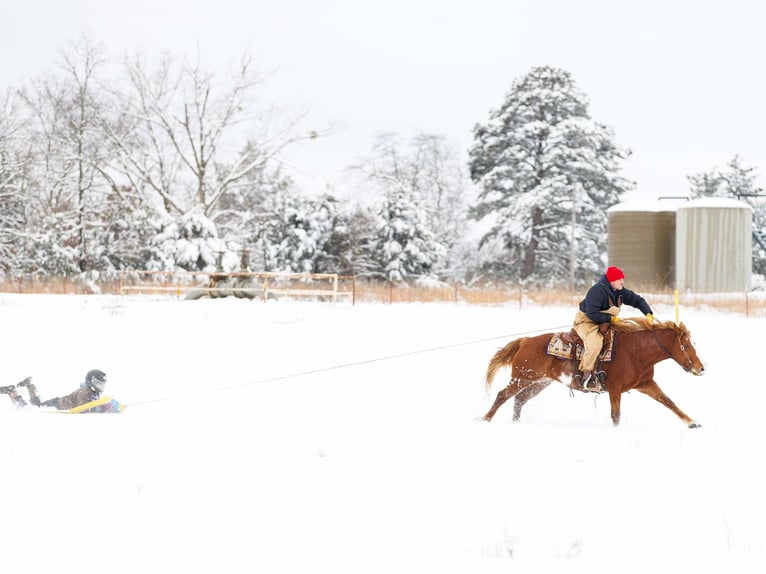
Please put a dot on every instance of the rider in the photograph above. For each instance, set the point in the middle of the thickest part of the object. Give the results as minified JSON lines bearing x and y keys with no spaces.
{"x":89,"y":390}
{"x":600,"y":307}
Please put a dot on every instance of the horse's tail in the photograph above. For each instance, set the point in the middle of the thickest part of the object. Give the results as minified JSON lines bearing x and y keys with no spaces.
{"x":502,"y":358}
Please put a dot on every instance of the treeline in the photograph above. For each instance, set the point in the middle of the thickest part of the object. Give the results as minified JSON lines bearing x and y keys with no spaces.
{"x":164,"y":165}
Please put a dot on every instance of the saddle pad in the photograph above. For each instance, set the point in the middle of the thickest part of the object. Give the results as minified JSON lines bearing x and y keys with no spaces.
{"x":560,"y":349}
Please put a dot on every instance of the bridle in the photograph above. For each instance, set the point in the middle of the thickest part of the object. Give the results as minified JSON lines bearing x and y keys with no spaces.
{"x":689,"y":362}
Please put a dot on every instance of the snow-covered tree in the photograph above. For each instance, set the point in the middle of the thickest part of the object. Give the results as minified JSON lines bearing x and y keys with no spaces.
{"x":737,"y":182}
{"x":290,"y":232}
{"x":189,"y":242}
{"x":349,"y":247}
{"x":180,"y":126}
{"x":412,"y":197}
{"x":129,"y":234}
{"x":12,"y":199}
{"x":405,"y":248}
{"x":242,"y":206}
{"x":443,"y":184}
{"x":64,"y":184}
{"x":547,"y":172}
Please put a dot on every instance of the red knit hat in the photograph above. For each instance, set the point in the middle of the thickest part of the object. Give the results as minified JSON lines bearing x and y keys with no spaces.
{"x":614,"y":273}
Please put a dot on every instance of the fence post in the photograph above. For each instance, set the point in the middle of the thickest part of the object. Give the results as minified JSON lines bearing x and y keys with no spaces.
{"x":335,"y":287}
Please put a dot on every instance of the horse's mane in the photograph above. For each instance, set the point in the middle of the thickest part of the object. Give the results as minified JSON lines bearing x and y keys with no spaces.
{"x":633,"y":324}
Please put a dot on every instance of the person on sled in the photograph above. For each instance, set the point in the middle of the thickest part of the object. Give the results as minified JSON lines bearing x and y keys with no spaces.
{"x":600,"y":307}
{"x":89,"y":390}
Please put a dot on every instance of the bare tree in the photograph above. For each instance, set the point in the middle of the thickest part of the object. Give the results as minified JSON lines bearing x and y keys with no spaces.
{"x":66,"y":140}
{"x":180,"y":135}
{"x":12,"y":169}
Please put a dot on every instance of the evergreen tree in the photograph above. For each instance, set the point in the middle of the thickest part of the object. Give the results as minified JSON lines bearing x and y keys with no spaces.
{"x":413,"y":195}
{"x":128,"y":235}
{"x":737,"y":182}
{"x":546,"y":172}
{"x":349,"y":247}
{"x":189,"y":242}
{"x":405,"y":247}
{"x":291,"y":232}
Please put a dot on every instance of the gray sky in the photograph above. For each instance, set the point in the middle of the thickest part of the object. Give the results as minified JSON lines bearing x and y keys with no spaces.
{"x":683,"y":83}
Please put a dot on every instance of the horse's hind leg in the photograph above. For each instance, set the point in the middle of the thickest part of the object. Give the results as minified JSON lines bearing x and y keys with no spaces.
{"x":513,"y":387}
{"x":653,"y":390}
{"x":525,"y":394}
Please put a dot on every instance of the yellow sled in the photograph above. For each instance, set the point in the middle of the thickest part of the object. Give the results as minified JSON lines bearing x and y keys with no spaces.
{"x":105,"y":404}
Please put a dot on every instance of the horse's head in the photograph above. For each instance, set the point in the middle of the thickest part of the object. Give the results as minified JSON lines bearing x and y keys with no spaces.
{"x":682,"y":351}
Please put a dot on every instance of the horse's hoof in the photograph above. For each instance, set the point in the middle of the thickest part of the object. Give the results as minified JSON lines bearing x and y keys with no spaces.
{"x":694,"y":425}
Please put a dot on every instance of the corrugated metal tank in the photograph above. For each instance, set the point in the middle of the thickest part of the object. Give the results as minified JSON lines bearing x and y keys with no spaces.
{"x":642,"y":241}
{"x":714,"y":245}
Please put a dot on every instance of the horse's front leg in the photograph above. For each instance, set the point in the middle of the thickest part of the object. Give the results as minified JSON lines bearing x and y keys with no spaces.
{"x":653,"y":390}
{"x":615,"y":396}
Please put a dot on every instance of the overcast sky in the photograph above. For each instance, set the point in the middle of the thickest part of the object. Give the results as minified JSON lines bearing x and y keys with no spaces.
{"x":683,"y":83}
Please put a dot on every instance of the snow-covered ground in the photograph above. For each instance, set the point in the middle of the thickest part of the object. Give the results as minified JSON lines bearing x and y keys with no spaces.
{"x":310,"y":437}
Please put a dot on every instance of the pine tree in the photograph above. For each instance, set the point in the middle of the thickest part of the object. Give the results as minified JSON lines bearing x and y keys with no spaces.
{"x":189,"y":242}
{"x":349,"y":247}
{"x":547,"y":172}
{"x":405,"y":247}
{"x":737,"y":182}
{"x":416,"y":206}
{"x":291,"y":232}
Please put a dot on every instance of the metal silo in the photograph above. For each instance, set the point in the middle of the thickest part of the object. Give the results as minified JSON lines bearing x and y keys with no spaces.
{"x":714,"y":245}
{"x":642,"y":241}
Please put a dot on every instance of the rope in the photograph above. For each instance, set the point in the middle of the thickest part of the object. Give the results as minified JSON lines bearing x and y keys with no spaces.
{"x":343,"y":366}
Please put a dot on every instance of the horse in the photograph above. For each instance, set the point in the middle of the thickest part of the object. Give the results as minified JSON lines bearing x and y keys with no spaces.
{"x":642,"y":344}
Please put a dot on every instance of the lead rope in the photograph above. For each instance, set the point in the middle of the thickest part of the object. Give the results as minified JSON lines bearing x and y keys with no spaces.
{"x":659,"y":343}
{"x":341,"y":366}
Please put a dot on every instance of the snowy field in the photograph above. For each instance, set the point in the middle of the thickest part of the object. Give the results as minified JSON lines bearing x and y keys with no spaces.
{"x":310,"y":437}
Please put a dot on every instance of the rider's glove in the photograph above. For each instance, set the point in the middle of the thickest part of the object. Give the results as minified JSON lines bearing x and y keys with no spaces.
{"x":650,"y":318}
{"x":615,"y":319}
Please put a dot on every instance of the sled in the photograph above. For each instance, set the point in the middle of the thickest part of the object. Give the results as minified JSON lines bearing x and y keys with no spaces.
{"x":105,"y":404}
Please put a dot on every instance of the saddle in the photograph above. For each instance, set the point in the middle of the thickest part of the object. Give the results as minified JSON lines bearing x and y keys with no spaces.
{"x":569,"y":347}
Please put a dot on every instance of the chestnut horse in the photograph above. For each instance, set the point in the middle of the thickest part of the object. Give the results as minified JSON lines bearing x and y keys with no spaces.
{"x":639,"y":346}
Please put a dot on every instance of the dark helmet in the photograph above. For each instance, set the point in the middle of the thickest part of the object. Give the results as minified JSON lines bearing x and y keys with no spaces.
{"x":96,"y":380}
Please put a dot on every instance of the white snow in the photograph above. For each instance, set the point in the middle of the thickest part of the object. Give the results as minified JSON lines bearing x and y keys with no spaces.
{"x":715,"y":202}
{"x":648,"y":206}
{"x":310,"y":437}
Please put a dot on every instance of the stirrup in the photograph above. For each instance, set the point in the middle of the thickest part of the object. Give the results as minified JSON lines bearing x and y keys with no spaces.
{"x":595,"y":383}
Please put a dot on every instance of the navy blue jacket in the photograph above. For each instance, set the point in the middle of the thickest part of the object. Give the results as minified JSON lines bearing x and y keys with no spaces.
{"x":601,"y":296}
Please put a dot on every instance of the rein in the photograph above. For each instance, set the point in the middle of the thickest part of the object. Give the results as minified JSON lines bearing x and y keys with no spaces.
{"x":686,"y":368}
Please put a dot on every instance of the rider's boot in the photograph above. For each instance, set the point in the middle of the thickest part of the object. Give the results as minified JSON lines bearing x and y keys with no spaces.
{"x":595,"y":382}
{"x":589,"y":382}
{"x":580,"y":379}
